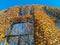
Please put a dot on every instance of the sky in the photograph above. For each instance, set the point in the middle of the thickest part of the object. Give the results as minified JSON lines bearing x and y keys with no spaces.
{"x":4,"y":4}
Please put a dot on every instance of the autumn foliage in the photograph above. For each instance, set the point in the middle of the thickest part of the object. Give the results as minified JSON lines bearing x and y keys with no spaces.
{"x":45,"y":31}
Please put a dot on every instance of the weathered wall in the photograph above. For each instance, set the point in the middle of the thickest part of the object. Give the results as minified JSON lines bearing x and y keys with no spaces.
{"x":10,"y":16}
